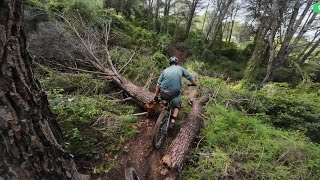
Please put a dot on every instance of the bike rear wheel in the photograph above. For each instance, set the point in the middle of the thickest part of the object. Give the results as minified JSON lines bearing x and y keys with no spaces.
{"x":160,"y":133}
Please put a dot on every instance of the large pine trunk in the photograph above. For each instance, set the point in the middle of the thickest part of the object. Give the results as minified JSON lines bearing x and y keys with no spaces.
{"x":176,"y":153}
{"x":30,"y":144}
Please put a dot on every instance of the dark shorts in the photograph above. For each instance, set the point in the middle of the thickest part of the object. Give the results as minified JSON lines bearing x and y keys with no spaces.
{"x":173,"y":96}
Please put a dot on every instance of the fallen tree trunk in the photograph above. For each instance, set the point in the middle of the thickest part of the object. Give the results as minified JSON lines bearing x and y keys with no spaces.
{"x":178,"y":149}
{"x":140,"y":94}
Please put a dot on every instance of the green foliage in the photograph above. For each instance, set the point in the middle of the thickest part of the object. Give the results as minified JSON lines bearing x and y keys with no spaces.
{"x":289,"y":108}
{"x":145,"y":68}
{"x":232,"y":69}
{"x":160,"y":60}
{"x":127,"y":33}
{"x":248,"y":50}
{"x":143,"y":37}
{"x":275,"y":103}
{"x":238,"y":146}
{"x":195,"y":43}
{"x":35,"y":3}
{"x":164,"y":42}
{"x":92,"y":125}
{"x":72,"y":83}
{"x":231,"y":52}
{"x":105,"y":167}
{"x":86,"y":8}
{"x":221,"y":67}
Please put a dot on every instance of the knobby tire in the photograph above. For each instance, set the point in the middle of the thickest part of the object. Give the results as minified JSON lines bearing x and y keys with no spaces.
{"x":159,"y":136}
{"x":131,"y":174}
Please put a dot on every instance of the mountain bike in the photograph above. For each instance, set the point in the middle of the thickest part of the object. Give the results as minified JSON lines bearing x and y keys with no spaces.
{"x":162,"y":125}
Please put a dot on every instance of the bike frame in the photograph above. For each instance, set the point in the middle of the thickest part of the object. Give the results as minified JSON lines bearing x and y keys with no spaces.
{"x":170,"y":107}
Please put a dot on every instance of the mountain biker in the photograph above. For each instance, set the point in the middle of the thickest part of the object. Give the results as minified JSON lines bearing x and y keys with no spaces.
{"x":169,"y":86}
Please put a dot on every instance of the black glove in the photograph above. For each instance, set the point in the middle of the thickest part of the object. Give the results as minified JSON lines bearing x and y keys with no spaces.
{"x":156,"y":99}
{"x":192,"y":85}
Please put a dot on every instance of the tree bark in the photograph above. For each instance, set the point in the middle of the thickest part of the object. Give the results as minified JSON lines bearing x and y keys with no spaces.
{"x":273,"y":30}
{"x":305,"y":56}
{"x":222,"y":14}
{"x":192,"y":9}
{"x":164,"y":26}
{"x":233,"y":16}
{"x":307,"y":46}
{"x":31,"y":144}
{"x":150,"y":2}
{"x":212,"y":22}
{"x":178,"y":149}
{"x":156,"y":17}
{"x":256,"y":57}
{"x":287,"y":47}
{"x":205,"y":17}
{"x":140,"y":94}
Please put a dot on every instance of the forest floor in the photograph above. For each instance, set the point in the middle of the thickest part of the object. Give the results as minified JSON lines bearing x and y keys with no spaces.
{"x":141,"y":155}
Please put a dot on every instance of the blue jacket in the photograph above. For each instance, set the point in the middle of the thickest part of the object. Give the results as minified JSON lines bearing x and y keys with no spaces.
{"x":170,"y":78}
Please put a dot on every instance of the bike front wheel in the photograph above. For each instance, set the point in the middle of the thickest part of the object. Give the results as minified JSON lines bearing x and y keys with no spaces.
{"x":131,"y":174}
{"x":160,"y":130}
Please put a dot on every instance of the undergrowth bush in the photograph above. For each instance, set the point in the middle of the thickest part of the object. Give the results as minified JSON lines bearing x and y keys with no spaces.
{"x":72,"y":83}
{"x":164,"y":43}
{"x":277,"y":103}
{"x":92,"y":126}
{"x":289,"y":108}
{"x":236,"y":146}
{"x":218,"y":67}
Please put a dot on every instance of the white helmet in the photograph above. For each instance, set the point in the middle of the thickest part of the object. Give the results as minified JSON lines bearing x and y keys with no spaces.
{"x":173,"y":60}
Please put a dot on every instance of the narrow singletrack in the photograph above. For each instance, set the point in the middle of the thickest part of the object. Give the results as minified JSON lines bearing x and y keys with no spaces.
{"x":141,"y":155}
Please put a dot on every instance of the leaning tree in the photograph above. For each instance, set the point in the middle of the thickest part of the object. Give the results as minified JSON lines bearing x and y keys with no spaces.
{"x":30,"y":143}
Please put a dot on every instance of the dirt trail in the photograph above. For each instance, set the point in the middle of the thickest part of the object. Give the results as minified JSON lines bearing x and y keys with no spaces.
{"x":141,"y":155}
{"x":181,"y":55}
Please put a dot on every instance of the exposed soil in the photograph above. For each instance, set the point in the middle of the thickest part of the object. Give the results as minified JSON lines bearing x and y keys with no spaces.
{"x":140,"y":154}
{"x":181,"y":55}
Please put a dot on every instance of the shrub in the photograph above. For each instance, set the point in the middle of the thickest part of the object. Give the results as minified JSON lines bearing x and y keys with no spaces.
{"x":275,"y":103}
{"x":218,"y":67}
{"x":160,"y":60}
{"x":72,"y":83}
{"x":241,"y":147}
{"x":84,"y":134}
{"x":195,"y":43}
{"x":164,"y":42}
{"x":289,"y":108}
{"x":143,"y":37}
